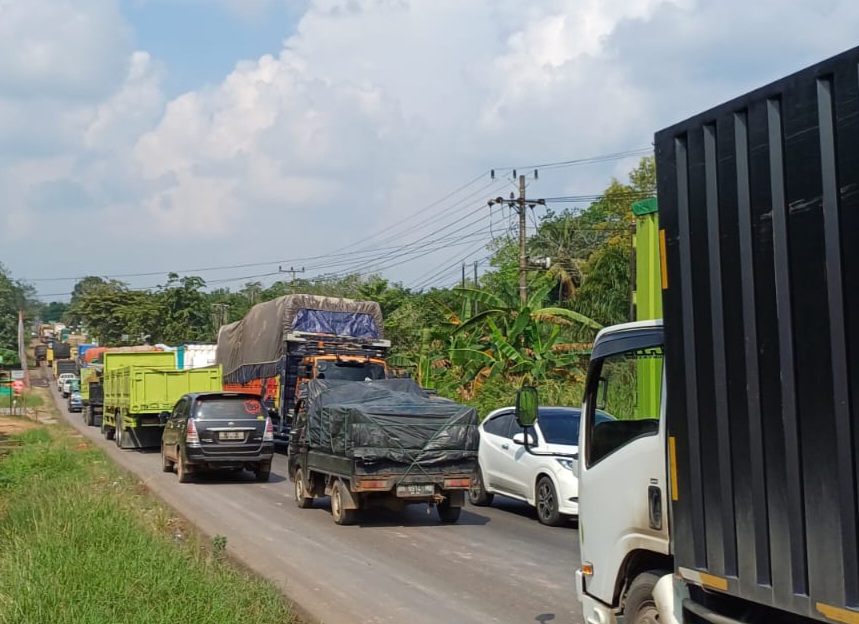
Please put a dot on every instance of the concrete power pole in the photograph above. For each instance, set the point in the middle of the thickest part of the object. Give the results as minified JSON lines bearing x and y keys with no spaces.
{"x":520,"y":205}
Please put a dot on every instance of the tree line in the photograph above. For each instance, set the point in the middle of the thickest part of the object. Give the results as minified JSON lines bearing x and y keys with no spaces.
{"x":473,"y":342}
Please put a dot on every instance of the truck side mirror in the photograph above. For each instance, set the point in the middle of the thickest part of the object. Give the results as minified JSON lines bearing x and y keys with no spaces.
{"x":527,"y":401}
{"x":164,"y":417}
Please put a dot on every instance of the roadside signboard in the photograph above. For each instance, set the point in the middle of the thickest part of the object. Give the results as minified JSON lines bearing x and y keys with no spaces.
{"x":17,"y":374}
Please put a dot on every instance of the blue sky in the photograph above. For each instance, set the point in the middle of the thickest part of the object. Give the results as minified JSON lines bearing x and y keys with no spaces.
{"x":200,"y":42}
{"x":140,"y":137}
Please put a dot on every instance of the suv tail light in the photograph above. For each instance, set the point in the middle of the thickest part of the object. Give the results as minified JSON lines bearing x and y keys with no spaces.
{"x":191,"y":437}
{"x":268,"y":436}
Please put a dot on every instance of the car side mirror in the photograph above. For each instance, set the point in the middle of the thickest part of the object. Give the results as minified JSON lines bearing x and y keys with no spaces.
{"x":164,"y":417}
{"x":519,"y":438}
{"x":527,"y":401}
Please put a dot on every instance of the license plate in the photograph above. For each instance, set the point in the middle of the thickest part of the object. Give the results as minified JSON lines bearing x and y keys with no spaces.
{"x":232,"y":435}
{"x":416,"y":490}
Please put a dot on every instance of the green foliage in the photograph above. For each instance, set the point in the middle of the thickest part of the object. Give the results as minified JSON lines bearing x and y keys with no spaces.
{"x":53,"y":312}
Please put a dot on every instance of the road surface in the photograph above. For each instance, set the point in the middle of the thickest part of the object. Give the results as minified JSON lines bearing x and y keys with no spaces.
{"x":497,"y":564}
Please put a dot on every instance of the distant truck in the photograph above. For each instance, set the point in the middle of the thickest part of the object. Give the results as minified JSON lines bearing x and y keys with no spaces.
{"x":40,"y":352}
{"x":81,"y":353}
{"x":135,"y":396}
{"x":90,"y":377}
{"x":381,"y":443}
{"x":64,"y":366}
{"x":62,"y":350}
{"x":196,"y":355}
{"x":297,"y":338}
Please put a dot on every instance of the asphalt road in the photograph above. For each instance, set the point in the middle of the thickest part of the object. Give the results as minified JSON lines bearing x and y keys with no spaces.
{"x":497,"y":564}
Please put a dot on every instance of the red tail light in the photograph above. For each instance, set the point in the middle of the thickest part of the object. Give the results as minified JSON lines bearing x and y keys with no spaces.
{"x":269,"y":431}
{"x":191,"y":437}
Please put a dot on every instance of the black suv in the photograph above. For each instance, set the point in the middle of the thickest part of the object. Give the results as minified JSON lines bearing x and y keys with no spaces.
{"x":212,"y":430}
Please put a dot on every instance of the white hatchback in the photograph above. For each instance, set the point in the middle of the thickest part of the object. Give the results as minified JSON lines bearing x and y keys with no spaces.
{"x":543,"y":478}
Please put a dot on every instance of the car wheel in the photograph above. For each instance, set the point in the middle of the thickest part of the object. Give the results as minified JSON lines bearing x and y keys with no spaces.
{"x":547,"y":503}
{"x":166,"y":464}
{"x":301,"y":498}
{"x":640,"y":606}
{"x":341,"y":516}
{"x":447,"y":513}
{"x":182,"y":469}
{"x":263,"y":472}
{"x":477,"y":494}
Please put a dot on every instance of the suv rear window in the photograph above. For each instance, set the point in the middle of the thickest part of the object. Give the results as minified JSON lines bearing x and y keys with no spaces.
{"x":229,"y":407}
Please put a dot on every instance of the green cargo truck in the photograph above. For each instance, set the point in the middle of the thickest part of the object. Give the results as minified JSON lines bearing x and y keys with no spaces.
{"x":135,"y":396}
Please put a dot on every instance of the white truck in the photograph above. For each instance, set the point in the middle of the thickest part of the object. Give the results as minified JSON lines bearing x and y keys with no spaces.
{"x":726,"y":490}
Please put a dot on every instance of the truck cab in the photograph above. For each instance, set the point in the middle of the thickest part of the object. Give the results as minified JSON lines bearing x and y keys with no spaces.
{"x":623,"y":479}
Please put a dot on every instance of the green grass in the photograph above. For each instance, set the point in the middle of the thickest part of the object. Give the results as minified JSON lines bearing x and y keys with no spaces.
{"x":84,"y":543}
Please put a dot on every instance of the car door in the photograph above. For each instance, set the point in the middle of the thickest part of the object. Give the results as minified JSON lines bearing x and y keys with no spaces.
{"x":171,"y":428}
{"x":523,"y":465}
{"x":495,"y":444}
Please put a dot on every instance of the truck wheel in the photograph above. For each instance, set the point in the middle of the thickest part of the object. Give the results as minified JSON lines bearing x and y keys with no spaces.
{"x":118,"y":435}
{"x":477,"y":494}
{"x":301,"y":498}
{"x":640,"y":607}
{"x":88,"y":421}
{"x":166,"y":464}
{"x":181,"y":469}
{"x":341,"y":516}
{"x":106,"y":430}
{"x":447,"y":513}
{"x":547,"y":503}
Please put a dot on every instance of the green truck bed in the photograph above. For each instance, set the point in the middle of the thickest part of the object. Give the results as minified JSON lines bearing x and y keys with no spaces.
{"x":134,"y":396}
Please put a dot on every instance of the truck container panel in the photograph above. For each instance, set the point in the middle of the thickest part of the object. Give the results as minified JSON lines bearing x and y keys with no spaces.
{"x":62,"y":351}
{"x":759,"y":201}
{"x":196,"y":355}
{"x":118,"y":358}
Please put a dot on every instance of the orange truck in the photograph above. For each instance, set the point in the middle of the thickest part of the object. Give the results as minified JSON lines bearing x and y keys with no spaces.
{"x":283,"y":343}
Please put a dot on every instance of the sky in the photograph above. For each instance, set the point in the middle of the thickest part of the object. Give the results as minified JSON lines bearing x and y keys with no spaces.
{"x":237,"y":139}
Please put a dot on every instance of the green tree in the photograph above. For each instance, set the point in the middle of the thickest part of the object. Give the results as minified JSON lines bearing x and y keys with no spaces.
{"x":53,"y":312}
{"x":181,"y":312}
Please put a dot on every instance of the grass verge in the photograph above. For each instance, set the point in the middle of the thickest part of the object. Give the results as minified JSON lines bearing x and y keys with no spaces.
{"x":85,"y":543}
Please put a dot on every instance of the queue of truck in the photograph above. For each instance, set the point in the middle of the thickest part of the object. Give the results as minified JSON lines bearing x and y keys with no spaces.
{"x":718,"y":455}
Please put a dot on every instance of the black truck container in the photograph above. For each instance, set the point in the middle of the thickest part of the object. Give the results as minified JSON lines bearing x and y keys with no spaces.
{"x":66,"y":366}
{"x":382,"y":443}
{"x":759,"y":201}
{"x":62,"y":350}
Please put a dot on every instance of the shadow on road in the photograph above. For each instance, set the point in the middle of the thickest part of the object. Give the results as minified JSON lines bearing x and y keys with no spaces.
{"x":523,"y":510}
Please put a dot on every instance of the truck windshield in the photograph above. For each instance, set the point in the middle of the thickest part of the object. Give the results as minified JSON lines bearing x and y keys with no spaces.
{"x":628,"y":386}
{"x":226,"y":408}
{"x":350,"y":370}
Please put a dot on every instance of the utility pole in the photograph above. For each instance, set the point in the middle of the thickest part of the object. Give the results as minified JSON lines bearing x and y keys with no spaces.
{"x":520,"y":205}
{"x":475,"y":273}
{"x":463,"y":275}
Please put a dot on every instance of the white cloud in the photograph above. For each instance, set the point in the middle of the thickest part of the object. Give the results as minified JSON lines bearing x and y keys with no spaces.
{"x":370,"y":110}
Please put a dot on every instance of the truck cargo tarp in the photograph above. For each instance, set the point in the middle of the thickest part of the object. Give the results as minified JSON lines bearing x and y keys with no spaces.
{"x":252,"y":347}
{"x":391,"y":419}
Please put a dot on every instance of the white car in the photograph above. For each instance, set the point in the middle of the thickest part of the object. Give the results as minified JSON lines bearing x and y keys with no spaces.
{"x":543,"y":478}
{"x":63,"y":378}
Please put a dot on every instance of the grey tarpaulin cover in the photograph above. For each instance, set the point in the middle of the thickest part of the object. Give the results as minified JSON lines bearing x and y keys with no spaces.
{"x":391,"y":419}
{"x":252,"y":347}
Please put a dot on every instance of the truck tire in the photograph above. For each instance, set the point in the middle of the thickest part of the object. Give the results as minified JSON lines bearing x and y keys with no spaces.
{"x":118,"y":434}
{"x":639,"y":606}
{"x":447,"y":513}
{"x":88,"y":416}
{"x":547,"y":503}
{"x":341,"y":516}
{"x":166,"y":464}
{"x":182,"y":469}
{"x":106,"y":430}
{"x":301,"y":498}
{"x":477,"y":494}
